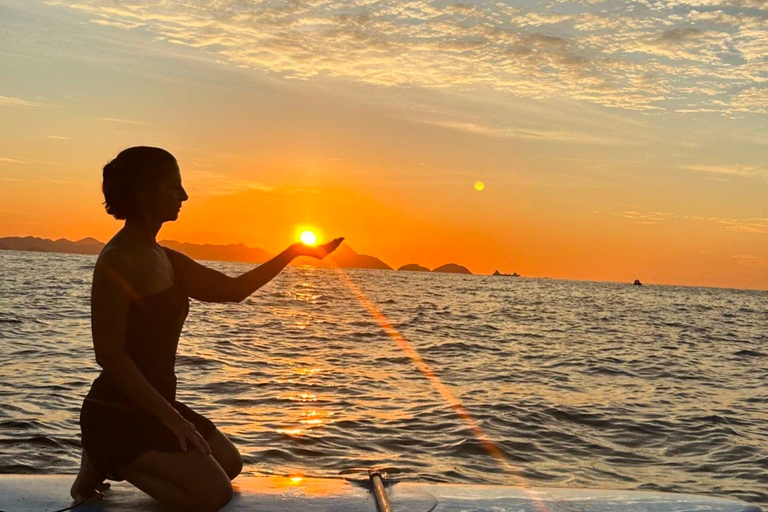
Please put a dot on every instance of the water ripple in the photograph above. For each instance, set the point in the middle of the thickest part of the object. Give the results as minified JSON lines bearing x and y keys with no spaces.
{"x":578,"y":384}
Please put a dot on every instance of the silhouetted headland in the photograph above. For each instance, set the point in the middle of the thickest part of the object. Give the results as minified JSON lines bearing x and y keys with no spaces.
{"x":344,"y":257}
{"x":31,"y":243}
{"x":414,"y":267}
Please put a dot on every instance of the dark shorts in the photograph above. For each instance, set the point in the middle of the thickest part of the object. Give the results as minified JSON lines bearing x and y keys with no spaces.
{"x":115,"y":435}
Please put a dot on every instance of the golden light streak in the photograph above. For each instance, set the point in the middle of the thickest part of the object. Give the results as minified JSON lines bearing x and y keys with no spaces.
{"x":424,"y":368}
{"x":490,"y":447}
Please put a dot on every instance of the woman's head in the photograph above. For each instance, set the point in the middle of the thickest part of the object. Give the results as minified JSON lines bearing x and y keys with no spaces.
{"x":143,"y":183}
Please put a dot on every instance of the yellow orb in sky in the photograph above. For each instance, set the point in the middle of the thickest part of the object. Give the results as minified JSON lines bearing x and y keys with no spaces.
{"x":308,"y":238}
{"x":479,"y":185}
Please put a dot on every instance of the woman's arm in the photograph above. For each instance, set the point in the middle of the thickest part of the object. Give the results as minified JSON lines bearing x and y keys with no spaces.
{"x":110,"y":297}
{"x":209,"y":285}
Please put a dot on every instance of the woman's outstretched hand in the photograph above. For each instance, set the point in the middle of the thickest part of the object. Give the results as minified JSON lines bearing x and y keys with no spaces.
{"x":318,"y":251}
{"x":186,"y":431}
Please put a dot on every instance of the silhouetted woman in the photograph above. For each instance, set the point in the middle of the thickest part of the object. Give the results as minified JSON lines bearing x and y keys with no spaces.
{"x":132,"y":426}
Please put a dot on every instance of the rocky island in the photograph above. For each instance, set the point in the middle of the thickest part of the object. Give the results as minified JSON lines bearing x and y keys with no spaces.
{"x":452,"y":268}
{"x":414,"y":267}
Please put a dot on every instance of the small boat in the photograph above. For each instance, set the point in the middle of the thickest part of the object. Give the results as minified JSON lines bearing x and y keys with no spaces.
{"x":47,"y":493}
{"x":513,"y":274}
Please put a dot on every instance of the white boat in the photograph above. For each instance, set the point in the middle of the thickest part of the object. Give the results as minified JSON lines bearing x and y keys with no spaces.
{"x":48,"y":493}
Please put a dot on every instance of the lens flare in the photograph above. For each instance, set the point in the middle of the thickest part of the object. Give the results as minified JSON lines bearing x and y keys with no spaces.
{"x":444,"y":391}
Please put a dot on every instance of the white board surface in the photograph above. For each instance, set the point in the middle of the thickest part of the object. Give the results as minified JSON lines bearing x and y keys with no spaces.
{"x":46,"y":493}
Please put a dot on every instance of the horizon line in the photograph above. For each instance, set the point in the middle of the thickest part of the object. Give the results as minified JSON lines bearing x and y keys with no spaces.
{"x":391,"y":269}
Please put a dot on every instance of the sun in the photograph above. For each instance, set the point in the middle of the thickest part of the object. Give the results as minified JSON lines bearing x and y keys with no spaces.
{"x":308,"y":238}
{"x":479,"y":185}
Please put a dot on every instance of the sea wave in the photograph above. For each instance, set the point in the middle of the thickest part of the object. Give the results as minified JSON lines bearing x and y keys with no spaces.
{"x":575,"y":384}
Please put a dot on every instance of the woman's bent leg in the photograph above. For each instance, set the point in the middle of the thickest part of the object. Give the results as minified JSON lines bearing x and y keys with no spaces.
{"x":190,"y":481}
{"x":225,"y":453}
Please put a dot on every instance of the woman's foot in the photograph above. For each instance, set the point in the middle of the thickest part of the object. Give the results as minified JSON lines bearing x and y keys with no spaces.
{"x":88,"y":485}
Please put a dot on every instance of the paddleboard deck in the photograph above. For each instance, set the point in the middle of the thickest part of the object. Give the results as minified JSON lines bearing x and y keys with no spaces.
{"x":46,"y":493}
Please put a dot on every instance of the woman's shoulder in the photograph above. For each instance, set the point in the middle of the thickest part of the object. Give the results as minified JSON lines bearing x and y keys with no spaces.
{"x":113,"y":256}
{"x":143,"y":272}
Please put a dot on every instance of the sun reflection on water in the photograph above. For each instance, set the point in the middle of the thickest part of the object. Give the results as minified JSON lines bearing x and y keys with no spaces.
{"x":290,"y":431}
{"x":303,"y":397}
{"x":307,"y":371}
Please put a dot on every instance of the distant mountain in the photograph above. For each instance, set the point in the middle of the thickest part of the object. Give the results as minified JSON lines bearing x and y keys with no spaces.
{"x":31,"y":243}
{"x":230,"y":252}
{"x":86,"y":241}
{"x":413,"y":267}
{"x":452,"y":268}
{"x":343,"y":257}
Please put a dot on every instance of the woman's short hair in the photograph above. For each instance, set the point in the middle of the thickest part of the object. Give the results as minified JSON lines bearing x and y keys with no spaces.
{"x":133,"y":171}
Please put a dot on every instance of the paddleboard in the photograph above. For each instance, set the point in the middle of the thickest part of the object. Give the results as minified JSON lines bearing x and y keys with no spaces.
{"x":46,"y":493}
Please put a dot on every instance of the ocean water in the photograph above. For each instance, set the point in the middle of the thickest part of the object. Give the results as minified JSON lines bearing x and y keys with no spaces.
{"x":578,"y":384}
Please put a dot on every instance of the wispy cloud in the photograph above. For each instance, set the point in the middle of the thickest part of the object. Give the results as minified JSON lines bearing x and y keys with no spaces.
{"x":483,"y":128}
{"x":7,"y":101}
{"x":15,"y":180}
{"x":13,"y":161}
{"x":213,"y":183}
{"x":646,"y":217}
{"x":754,"y":225}
{"x":681,"y":55}
{"x":4,"y":160}
{"x":751,"y":261}
{"x":118,"y":24}
{"x":743,"y":225}
{"x":748,"y":171}
{"x":121,"y":121}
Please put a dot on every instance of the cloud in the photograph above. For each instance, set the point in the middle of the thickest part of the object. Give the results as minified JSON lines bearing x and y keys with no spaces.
{"x":646,"y":217}
{"x":753,"y":99}
{"x":683,"y":55}
{"x":748,"y":171}
{"x":747,"y":225}
{"x":4,"y":160}
{"x":751,"y":261}
{"x":121,"y":121}
{"x":754,"y":225}
{"x":118,"y":24}
{"x":7,"y":101}
{"x":213,"y":183}
{"x":528,"y":133}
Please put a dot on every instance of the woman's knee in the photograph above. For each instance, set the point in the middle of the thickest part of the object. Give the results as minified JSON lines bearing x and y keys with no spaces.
{"x":225,"y":453}
{"x":187,"y":481}
{"x":234,"y":466}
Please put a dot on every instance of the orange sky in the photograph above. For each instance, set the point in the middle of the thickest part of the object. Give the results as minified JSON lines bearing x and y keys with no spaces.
{"x":603,"y":181}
